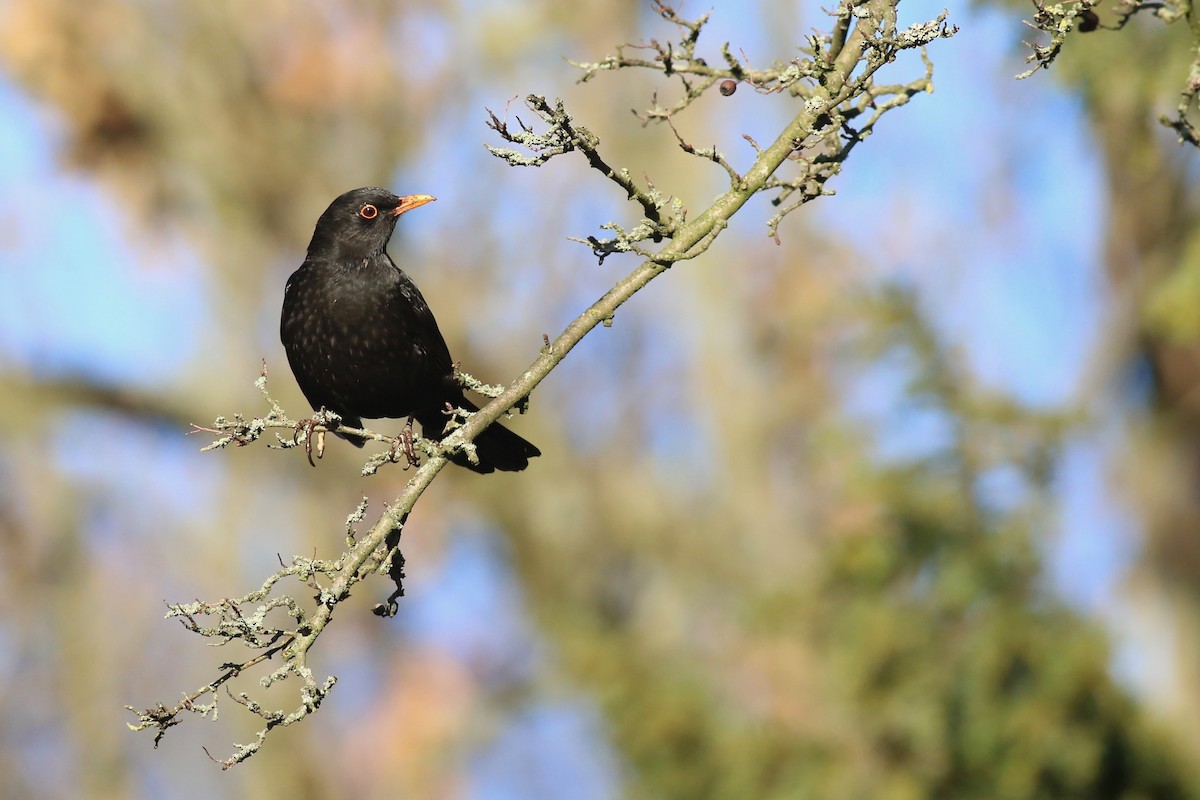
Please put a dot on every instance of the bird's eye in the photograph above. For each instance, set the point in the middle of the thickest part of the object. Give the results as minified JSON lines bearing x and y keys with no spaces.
{"x":368,"y":212}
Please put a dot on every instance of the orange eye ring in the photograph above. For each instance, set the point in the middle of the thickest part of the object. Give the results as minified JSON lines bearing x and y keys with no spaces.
{"x":368,"y":212}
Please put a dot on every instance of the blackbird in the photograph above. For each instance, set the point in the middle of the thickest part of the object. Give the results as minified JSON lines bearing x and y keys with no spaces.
{"x":361,"y":339}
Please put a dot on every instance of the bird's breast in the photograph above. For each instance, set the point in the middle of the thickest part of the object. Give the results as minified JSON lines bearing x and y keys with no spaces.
{"x":357,"y":341}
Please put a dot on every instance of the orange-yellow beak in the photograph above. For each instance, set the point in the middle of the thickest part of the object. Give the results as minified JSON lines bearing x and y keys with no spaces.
{"x":412,"y":201}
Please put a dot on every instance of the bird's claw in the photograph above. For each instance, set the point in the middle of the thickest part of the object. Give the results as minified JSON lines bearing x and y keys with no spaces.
{"x":308,"y":427}
{"x":404,"y":444}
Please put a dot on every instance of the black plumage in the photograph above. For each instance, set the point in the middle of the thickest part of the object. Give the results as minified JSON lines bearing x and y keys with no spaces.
{"x":361,"y":339}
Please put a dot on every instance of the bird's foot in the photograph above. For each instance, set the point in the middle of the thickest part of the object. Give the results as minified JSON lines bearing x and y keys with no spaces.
{"x":308,"y":427}
{"x":403,"y":444}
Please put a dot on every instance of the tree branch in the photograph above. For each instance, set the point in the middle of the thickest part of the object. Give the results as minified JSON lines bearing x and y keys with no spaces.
{"x":839,"y":89}
{"x":1061,"y":20}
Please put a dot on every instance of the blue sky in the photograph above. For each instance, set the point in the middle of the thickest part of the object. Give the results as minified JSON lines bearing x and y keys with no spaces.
{"x":78,"y":295}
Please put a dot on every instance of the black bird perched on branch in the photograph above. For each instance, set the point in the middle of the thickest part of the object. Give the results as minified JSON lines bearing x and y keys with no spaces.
{"x":361,"y":339}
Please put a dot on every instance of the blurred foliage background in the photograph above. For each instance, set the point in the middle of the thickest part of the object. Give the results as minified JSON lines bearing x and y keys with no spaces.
{"x":904,"y":507}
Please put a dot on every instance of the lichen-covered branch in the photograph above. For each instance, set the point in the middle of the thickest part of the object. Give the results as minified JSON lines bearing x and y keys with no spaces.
{"x":562,"y":136}
{"x":838,"y":105}
{"x":290,"y":637}
{"x":836,"y":100}
{"x":1062,"y":20}
{"x":309,"y":432}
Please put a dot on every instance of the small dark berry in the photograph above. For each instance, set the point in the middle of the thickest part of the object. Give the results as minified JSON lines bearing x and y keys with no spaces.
{"x":728,"y":87}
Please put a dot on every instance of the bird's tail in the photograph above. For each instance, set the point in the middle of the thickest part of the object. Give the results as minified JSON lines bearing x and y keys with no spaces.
{"x":497,"y":447}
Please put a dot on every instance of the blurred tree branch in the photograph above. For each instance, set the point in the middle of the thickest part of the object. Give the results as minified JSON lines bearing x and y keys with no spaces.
{"x":841,"y":104}
{"x":81,"y":391}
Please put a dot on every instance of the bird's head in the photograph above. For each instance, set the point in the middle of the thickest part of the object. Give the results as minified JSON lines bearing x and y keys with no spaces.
{"x":359,"y":223}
